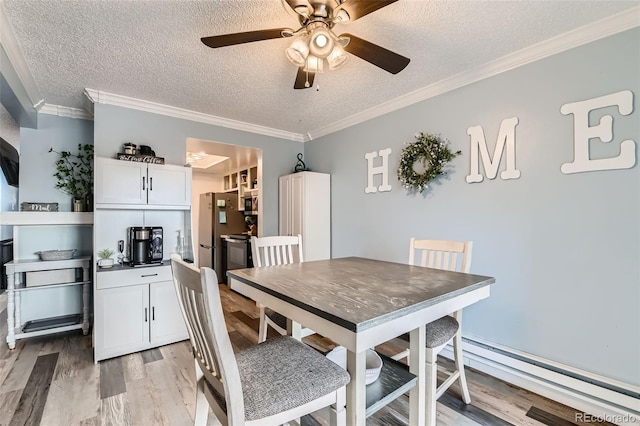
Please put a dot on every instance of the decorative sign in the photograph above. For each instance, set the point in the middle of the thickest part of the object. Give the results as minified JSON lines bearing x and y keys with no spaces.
{"x":382,"y":169}
{"x":140,"y":158}
{"x":604,"y":131}
{"x":506,"y":139}
{"x":39,"y":207}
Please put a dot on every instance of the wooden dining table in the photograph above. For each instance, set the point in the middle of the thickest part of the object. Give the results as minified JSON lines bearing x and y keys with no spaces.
{"x":360,"y":303}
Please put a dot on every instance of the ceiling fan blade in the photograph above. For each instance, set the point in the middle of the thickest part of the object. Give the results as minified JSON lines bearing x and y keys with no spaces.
{"x":301,"y":79}
{"x":359,"y":8}
{"x":376,"y":55}
{"x":246,"y":37}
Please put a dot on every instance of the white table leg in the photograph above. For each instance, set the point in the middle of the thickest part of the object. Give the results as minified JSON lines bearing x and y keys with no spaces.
{"x":356,"y":390}
{"x":417,"y":347}
{"x":11,"y":325}
{"x":294,"y":329}
{"x":85,"y":301}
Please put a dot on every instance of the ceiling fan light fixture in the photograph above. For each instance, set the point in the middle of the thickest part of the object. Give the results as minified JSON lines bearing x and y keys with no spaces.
{"x":298,"y":51}
{"x":321,"y":43}
{"x":314,"y":64}
{"x":337,"y":58}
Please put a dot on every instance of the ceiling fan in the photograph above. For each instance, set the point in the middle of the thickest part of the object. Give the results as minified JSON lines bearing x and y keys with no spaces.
{"x":315,"y":42}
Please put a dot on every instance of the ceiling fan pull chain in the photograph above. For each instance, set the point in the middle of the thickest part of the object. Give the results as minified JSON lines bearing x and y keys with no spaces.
{"x":306,"y":83}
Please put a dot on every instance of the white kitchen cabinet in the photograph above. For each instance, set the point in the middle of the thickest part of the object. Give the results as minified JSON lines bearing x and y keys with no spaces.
{"x":305,"y":209}
{"x":136,"y":309}
{"x":120,"y":326}
{"x":167,"y":323}
{"x":120,"y":183}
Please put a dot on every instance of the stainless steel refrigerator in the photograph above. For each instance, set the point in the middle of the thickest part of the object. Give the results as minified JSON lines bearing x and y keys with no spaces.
{"x":218,"y":216}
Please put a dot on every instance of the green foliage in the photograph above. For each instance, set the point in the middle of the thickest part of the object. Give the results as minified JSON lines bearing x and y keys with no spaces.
{"x":75,"y":171}
{"x":432,"y":152}
{"x":106,"y":253}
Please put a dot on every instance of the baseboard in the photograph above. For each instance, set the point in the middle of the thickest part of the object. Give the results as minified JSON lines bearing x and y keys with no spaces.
{"x":571,"y":388}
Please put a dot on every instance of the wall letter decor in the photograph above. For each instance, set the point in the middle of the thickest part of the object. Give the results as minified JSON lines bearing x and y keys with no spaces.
{"x":506,"y":137}
{"x":382,"y":169}
{"x":603,"y":131}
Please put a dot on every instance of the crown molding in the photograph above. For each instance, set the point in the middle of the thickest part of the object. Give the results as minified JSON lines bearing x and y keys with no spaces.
{"x":12,"y":49}
{"x":62,"y":111}
{"x":100,"y":97}
{"x":569,"y":40}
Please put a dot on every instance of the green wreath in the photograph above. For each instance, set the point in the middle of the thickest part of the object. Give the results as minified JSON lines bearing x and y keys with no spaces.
{"x":433,"y":152}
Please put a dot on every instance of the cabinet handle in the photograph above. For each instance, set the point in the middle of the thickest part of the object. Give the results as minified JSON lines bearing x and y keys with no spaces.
{"x":153,"y":313}
{"x":145,"y":315}
{"x":150,"y":184}
{"x":149,"y":275}
{"x":143,"y":179}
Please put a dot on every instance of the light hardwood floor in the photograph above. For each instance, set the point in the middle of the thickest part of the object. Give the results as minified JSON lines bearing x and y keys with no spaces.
{"x":52,"y":380}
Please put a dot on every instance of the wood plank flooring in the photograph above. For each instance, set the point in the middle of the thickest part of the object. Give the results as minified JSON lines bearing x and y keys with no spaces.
{"x":52,"y":380}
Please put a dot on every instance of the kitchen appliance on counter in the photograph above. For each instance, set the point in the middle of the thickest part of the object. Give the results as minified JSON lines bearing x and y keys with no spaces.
{"x":145,"y":245}
{"x":218,"y":216}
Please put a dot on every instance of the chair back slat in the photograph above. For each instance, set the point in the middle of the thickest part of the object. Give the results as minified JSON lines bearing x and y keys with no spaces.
{"x":199,"y":298}
{"x":276,"y":250}
{"x":440,"y":254}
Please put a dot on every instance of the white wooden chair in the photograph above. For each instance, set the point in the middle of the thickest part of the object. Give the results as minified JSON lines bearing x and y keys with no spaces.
{"x":270,"y":251}
{"x":269,"y":384}
{"x":451,"y":256}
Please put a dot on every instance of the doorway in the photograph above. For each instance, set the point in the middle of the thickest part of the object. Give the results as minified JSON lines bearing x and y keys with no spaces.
{"x":234,"y":173}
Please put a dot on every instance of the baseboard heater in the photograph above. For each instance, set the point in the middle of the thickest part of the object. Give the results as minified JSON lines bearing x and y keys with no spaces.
{"x":590,"y":393}
{"x":555,"y":369}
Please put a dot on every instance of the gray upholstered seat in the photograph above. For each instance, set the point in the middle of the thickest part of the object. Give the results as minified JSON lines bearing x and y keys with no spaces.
{"x":439,"y":331}
{"x":441,"y":254}
{"x":271,"y":385}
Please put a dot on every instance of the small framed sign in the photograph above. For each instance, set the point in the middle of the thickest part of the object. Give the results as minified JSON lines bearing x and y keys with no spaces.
{"x":141,"y":158}
{"x":39,"y":207}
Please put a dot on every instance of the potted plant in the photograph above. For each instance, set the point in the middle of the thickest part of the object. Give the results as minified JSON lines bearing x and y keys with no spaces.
{"x":75,"y":175}
{"x":105,"y":258}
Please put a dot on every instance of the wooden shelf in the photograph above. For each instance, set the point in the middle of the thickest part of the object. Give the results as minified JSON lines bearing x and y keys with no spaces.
{"x":46,"y":218}
{"x":395,"y":379}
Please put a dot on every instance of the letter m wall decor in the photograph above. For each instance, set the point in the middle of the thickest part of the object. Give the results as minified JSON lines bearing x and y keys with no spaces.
{"x":505,"y":144}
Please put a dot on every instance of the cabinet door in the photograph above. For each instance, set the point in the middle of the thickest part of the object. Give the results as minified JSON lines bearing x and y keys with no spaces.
{"x":121,"y":320}
{"x":167,"y":323}
{"x":169,"y":185}
{"x":291,"y":204}
{"x":120,"y":182}
{"x":296,"y":201}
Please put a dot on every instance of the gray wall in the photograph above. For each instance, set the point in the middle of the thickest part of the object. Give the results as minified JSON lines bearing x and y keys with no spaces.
{"x":37,"y":184}
{"x":564,"y":249}
{"x":167,"y":136}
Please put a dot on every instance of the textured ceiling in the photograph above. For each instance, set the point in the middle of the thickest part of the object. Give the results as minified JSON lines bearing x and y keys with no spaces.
{"x":151,"y":50}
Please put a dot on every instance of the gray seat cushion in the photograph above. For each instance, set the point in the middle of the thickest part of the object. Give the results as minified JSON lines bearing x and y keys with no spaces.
{"x":439,"y":331}
{"x":279,"y":319}
{"x":282,"y":373}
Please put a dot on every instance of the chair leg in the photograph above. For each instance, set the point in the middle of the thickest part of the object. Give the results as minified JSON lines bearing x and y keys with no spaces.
{"x":457,"y":350}
{"x":202,"y":405}
{"x":431,"y":379}
{"x":262,"y":331}
{"x":338,"y":412}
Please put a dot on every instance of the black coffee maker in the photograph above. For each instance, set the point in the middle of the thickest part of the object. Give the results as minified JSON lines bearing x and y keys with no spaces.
{"x":145,"y":245}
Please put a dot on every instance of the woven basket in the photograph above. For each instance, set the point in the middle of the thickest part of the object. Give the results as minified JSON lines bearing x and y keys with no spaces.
{"x":56,"y":254}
